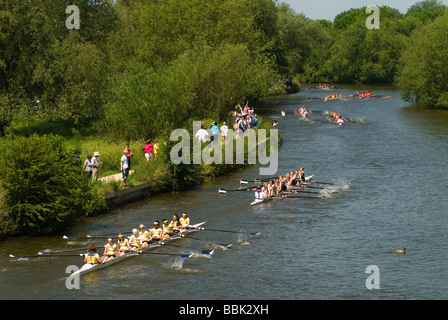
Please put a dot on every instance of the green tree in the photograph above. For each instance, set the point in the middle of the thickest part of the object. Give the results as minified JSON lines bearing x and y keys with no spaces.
{"x":423,"y":72}
{"x":43,"y":188}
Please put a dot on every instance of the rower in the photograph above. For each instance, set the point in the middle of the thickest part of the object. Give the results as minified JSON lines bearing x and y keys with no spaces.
{"x":259,"y":194}
{"x":134,"y":240}
{"x":167,"y":229}
{"x":123,"y":245}
{"x":144,"y":236}
{"x":156,"y":232}
{"x":301,"y":175}
{"x":92,"y":257}
{"x":184,"y":222}
{"x":110,"y":250}
{"x":175,"y":223}
{"x":303,"y":112}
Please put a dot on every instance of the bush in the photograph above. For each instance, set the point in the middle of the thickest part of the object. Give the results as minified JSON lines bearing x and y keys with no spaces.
{"x":44,"y":189}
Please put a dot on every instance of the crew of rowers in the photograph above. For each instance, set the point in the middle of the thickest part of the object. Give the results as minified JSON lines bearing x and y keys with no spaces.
{"x":366,"y":94}
{"x":303,"y":112}
{"x":336,"y":117}
{"x":281,"y":184}
{"x":139,"y":239}
{"x":333,"y":96}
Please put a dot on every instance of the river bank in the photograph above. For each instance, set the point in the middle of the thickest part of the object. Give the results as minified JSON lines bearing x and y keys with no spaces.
{"x":150,"y":177}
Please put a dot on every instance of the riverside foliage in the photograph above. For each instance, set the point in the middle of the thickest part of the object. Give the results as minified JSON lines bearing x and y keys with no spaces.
{"x":137,"y":69}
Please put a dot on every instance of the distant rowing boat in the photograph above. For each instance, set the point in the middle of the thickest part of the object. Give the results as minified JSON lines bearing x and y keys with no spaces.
{"x":93,"y":267}
{"x":278,"y":196}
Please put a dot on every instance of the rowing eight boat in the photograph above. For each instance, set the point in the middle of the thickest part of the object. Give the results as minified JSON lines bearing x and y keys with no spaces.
{"x":258,"y":201}
{"x":93,"y":267}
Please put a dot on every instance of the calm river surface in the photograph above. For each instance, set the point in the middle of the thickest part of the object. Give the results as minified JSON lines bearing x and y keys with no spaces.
{"x":391,"y":166}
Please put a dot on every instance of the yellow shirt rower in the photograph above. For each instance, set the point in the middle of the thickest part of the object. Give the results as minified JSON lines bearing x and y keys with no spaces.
{"x":92,"y":256}
{"x":144,"y":236}
{"x":110,"y":251}
{"x":123,"y":245}
{"x":184,"y":222}
{"x":167,"y":229}
{"x":156,"y":232}
{"x":134,"y":240}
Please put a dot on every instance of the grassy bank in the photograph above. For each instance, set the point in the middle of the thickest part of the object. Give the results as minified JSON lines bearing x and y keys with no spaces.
{"x":44,"y":190}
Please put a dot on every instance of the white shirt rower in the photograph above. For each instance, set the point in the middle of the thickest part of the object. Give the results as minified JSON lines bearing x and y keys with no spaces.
{"x":259,"y":194}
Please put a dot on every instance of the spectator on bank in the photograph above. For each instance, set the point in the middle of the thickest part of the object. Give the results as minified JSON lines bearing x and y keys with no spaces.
{"x":224,"y":131}
{"x":124,"y":166}
{"x":88,"y":166}
{"x":129,"y":154}
{"x":156,"y":149}
{"x":202,"y":135}
{"x":148,"y":149}
{"x":75,"y":155}
{"x":214,"y":130}
{"x":95,"y":165}
{"x":254,"y":121}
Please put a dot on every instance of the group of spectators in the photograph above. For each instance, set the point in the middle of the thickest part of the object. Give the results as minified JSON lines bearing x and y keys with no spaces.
{"x":91,"y":164}
{"x":212,"y":133}
{"x":245,"y":119}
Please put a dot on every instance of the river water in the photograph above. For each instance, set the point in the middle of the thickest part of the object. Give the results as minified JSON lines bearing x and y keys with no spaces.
{"x":390,"y":168}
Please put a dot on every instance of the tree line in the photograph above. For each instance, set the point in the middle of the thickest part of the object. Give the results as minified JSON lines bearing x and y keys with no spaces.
{"x":162,"y":63}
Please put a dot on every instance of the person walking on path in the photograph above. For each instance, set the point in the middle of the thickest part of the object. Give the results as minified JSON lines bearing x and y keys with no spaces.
{"x":224,"y":131}
{"x":129,"y":154}
{"x":88,"y":166}
{"x":148,"y":149}
{"x":214,"y":130}
{"x":124,"y":166}
{"x":95,"y":165}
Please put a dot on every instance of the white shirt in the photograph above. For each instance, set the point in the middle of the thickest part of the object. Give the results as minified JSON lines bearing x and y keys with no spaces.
{"x":260,"y":195}
{"x":202,"y":135}
{"x":124,"y":159}
{"x":224,"y":130}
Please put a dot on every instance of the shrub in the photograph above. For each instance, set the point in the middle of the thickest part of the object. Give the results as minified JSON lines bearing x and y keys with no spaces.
{"x":44,"y":189}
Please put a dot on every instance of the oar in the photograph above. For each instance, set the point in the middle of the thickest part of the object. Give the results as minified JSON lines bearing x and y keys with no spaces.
{"x":332,"y":184}
{"x":45,"y":255}
{"x":230,"y":190}
{"x":296,"y":197}
{"x":58,"y":251}
{"x":349,"y":120}
{"x":105,"y":235}
{"x":209,"y":252}
{"x":224,"y":245}
{"x":230,"y":231}
{"x":167,"y":254}
{"x":302,"y":190}
{"x":257,"y":180}
{"x":69,"y":237}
